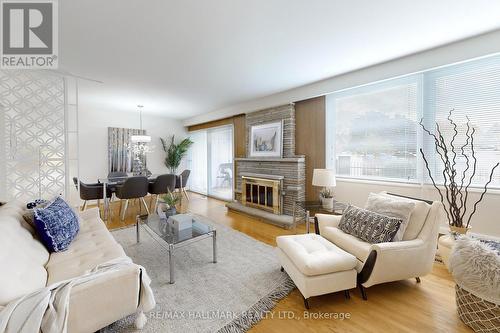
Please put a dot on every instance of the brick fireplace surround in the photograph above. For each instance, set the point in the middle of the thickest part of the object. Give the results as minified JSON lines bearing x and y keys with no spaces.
{"x":291,"y":167}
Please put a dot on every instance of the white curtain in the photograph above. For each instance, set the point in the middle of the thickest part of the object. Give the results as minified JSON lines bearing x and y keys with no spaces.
{"x":197,"y":162}
{"x":220,"y":155}
{"x":211,"y":162}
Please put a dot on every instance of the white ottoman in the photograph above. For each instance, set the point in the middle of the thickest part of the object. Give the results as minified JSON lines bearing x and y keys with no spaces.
{"x":315,"y":265}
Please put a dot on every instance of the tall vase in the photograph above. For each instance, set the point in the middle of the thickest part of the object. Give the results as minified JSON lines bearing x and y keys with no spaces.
{"x":459,"y":230}
{"x":327,"y":203}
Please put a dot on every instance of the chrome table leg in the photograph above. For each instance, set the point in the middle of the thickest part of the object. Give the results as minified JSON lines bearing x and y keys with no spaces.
{"x":137,"y":231}
{"x":214,"y":239}
{"x":171,"y":262}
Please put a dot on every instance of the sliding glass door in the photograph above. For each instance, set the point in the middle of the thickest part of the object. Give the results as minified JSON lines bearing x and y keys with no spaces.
{"x":211,"y":162}
{"x":220,"y":159}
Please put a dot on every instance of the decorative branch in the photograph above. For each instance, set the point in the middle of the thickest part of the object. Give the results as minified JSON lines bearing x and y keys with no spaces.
{"x":453,"y":173}
{"x":456,"y":195}
{"x":434,"y":183}
{"x":482,"y":194}
{"x":474,"y":168}
{"x":467,"y":165}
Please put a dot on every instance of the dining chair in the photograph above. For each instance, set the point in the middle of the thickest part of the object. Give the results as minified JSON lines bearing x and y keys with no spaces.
{"x":181,"y":182}
{"x":93,"y":191}
{"x":132,"y":188}
{"x":163,"y":184}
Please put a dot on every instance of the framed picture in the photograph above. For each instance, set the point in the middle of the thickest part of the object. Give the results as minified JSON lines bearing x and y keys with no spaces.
{"x":266,"y":140}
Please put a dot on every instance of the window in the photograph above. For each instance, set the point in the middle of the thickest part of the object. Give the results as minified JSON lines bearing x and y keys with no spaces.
{"x":374,"y":133}
{"x":472,"y":89}
{"x":375,"y":130}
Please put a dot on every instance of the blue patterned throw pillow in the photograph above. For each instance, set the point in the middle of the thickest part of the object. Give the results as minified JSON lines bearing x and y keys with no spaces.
{"x":57,"y":225}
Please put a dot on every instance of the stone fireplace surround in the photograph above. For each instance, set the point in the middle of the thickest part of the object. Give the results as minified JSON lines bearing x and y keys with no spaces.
{"x":290,"y":167}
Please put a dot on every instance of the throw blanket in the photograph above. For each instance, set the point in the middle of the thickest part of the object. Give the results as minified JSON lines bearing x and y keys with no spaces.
{"x":47,"y":309}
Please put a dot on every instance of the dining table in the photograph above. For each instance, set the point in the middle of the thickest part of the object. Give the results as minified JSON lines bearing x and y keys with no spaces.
{"x":113,"y":181}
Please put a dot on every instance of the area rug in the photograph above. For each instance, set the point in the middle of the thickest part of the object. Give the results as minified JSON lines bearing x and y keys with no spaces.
{"x":228,"y":296}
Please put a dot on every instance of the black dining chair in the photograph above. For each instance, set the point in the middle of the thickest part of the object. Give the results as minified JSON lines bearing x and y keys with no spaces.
{"x":93,"y":191}
{"x":132,"y":188}
{"x":181,"y":182}
{"x":163,"y":184}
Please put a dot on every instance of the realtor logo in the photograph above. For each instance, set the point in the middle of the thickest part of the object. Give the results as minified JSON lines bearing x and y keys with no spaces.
{"x":29,"y":34}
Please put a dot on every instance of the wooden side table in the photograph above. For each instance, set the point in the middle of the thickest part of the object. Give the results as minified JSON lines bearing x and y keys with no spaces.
{"x":306,"y":209}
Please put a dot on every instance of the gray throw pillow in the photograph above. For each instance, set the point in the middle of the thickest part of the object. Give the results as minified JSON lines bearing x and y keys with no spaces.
{"x":369,"y":226}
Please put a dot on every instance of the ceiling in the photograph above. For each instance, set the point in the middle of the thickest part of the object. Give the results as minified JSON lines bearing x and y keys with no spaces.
{"x":187,"y":57}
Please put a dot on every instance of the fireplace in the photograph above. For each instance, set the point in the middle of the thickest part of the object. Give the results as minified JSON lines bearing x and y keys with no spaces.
{"x":263,"y":192}
{"x":265,"y":187}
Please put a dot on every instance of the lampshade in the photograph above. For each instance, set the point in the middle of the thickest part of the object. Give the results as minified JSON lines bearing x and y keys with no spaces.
{"x":140,"y":138}
{"x":324,"y":178}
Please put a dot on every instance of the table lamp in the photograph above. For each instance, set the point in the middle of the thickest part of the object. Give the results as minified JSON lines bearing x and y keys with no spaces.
{"x":326,"y":179}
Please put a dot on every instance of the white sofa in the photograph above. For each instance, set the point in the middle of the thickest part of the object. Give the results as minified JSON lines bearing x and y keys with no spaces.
{"x":392,"y":261}
{"x":28,"y":266}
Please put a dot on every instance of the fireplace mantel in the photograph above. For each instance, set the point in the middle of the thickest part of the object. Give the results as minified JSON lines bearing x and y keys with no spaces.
{"x":261,"y":175}
{"x":297,"y":159}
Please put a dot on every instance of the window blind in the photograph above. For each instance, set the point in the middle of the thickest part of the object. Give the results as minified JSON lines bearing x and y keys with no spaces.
{"x":374,"y":133}
{"x":472,"y":90}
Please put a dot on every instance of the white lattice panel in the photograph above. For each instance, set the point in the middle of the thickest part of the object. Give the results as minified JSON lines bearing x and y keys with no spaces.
{"x":33,"y":138}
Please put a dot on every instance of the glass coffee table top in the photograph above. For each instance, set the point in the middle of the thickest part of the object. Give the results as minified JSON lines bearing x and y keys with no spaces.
{"x":173,"y":232}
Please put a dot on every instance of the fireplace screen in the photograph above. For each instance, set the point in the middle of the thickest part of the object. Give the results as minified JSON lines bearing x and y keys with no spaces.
{"x":262,"y":193}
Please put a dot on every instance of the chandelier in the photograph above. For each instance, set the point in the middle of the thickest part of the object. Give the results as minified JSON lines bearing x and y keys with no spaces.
{"x":140,"y":138}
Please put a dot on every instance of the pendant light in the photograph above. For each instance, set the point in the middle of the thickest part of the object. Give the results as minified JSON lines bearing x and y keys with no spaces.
{"x":140,"y":138}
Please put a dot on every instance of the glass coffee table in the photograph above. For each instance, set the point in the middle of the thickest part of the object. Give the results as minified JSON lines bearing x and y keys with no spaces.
{"x":176,"y":232}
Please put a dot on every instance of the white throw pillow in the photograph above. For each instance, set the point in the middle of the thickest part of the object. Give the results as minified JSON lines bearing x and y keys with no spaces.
{"x":417,"y":218}
{"x":390,"y":207}
{"x":22,"y":259}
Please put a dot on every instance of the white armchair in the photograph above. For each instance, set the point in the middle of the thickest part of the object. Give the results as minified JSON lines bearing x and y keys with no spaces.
{"x":392,"y":261}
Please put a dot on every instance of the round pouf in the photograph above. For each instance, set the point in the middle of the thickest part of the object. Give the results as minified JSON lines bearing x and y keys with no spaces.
{"x":477,"y":313}
{"x":475,"y":266}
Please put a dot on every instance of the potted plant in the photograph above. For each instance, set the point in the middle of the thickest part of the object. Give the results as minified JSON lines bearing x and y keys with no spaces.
{"x":175,"y":152}
{"x":326,"y":196}
{"x":454,"y":191}
{"x":168,"y":205}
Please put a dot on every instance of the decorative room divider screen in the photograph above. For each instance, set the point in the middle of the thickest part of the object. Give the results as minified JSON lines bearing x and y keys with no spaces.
{"x":38,"y":134}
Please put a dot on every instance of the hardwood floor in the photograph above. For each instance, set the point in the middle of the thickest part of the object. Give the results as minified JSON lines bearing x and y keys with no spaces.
{"x":403,"y":306}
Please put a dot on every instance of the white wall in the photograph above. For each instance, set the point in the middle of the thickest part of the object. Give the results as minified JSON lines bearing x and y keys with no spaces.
{"x":93,"y":133}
